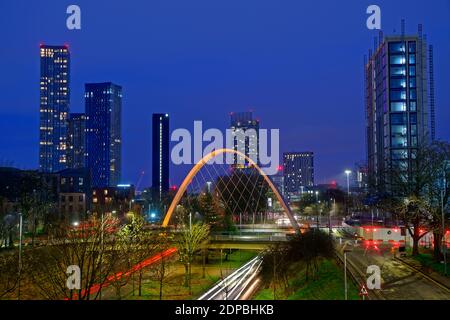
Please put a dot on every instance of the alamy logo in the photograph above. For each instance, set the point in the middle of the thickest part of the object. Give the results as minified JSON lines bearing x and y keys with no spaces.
{"x":74,"y":277}
{"x":254,"y":144}
{"x":74,"y":20}
{"x":374,"y":280}
{"x":374,"y":20}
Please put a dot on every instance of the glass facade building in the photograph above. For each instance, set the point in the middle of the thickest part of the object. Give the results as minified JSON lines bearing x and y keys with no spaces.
{"x":396,"y":105}
{"x":160,"y":154}
{"x":298,"y":171}
{"x":245,"y":131}
{"x":54,"y":96}
{"x":76,"y":155}
{"x":103,"y":133}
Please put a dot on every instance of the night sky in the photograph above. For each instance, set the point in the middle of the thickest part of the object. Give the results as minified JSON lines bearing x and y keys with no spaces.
{"x":297,"y":64}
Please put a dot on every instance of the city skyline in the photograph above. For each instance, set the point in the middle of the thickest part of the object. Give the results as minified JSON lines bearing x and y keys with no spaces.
{"x":261,"y":91}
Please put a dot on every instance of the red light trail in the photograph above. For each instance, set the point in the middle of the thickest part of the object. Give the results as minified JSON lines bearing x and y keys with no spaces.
{"x":149,"y":261}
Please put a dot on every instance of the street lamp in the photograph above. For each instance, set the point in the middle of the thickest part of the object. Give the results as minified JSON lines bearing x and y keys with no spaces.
{"x":317,"y":217}
{"x":348,"y":172}
{"x":20,"y":252}
{"x":329,"y":216}
{"x":346,"y":250}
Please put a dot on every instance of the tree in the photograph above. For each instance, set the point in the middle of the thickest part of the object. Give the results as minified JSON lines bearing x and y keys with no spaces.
{"x":91,"y":247}
{"x":438,"y":195}
{"x":306,"y":248}
{"x":207,"y":208}
{"x":9,"y":273}
{"x":309,"y":247}
{"x":189,"y":242}
{"x":275,"y":267}
{"x":143,"y":243}
{"x":414,"y":191}
{"x":161,"y":272}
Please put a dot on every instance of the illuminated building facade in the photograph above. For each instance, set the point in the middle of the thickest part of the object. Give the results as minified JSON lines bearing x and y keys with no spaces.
{"x":160,"y":155}
{"x":396,"y":106}
{"x":245,"y":131}
{"x":54,"y":96}
{"x":298,"y":171}
{"x":103,"y":133}
{"x":76,"y":154}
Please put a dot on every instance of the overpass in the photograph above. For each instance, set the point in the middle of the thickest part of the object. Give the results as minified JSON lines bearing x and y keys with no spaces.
{"x":244,"y":242}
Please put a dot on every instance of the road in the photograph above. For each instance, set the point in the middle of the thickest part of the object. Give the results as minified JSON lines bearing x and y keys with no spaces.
{"x":398,"y":281}
{"x":237,"y":285}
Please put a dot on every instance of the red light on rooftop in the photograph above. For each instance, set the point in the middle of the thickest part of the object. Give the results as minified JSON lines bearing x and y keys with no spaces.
{"x":280,"y":168}
{"x":173,"y":188}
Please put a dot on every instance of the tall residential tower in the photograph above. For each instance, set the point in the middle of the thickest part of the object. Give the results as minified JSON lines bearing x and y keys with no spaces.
{"x":245,"y":130}
{"x":160,"y":155}
{"x":396,"y":102}
{"x":54,"y":107}
{"x":298,"y":171}
{"x":103,"y":133}
{"x":76,"y":141}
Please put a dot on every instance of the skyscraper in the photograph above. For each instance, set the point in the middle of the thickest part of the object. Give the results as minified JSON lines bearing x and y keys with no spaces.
{"x":160,"y":154}
{"x":103,"y":133}
{"x":396,"y":103}
{"x":298,"y":171}
{"x":245,"y":132}
{"x":54,"y":98}
{"x":76,"y":141}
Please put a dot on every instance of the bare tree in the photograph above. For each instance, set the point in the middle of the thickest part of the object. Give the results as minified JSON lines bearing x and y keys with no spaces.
{"x":135,"y":245}
{"x":161,"y":272}
{"x":415,"y":191}
{"x":9,"y":273}
{"x":189,"y":242}
{"x":91,"y":247}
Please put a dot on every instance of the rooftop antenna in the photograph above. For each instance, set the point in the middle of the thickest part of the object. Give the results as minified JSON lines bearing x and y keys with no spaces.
{"x":403,"y":27}
{"x":380,"y":38}
{"x":420,"y":31}
{"x":375,"y":44}
{"x":432,"y":105}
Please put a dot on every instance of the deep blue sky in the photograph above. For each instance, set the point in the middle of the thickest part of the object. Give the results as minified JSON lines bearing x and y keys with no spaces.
{"x":297,"y":64}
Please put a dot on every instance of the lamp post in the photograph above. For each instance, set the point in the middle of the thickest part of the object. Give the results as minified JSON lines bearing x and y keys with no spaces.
{"x":329,"y":216}
{"x":20,"y":253}
{"x":345,"y":249}
{"x":317,"y":208}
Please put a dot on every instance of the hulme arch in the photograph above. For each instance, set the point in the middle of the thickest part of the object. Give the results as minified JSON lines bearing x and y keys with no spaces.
{"x":204,"y":161}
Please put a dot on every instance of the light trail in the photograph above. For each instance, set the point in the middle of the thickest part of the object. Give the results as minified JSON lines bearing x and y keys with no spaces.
{"x":117,"y":276}
{"x":233,"y":286}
